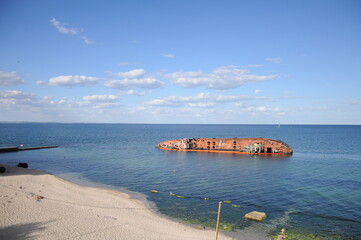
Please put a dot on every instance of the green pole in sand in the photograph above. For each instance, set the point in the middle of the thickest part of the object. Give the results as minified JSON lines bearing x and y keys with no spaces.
{"x":218,"y":218}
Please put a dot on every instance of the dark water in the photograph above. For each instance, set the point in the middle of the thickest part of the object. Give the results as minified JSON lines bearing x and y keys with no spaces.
{"x":315,"y":191}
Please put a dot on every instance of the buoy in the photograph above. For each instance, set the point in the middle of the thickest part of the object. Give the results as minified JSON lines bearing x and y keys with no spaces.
{"x":234,"y":205}
{"x":227,"y":201}
{"x":179,"y":196}
{"x":154,"y":191}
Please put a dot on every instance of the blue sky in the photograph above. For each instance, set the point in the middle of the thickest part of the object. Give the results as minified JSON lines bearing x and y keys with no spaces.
{"x":226,"y":62}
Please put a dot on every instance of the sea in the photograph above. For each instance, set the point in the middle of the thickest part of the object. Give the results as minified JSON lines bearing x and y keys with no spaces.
{"x":314,"y":193}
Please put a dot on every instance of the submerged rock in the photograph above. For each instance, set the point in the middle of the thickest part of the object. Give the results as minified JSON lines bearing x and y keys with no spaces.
{"x":23,"y":165}
{"x":282,"y":235}
{"x":256,"y":216}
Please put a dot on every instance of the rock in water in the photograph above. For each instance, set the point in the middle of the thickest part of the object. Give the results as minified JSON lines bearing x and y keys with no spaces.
{"x":256,"y":216}
{"x":23,"y":165}
{"x":2,"y":169}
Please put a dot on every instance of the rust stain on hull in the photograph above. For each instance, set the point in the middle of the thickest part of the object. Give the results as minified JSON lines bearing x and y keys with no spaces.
{"x":259,"y":146}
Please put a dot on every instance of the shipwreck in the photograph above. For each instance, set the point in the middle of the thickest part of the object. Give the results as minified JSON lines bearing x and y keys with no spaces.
{"x":261,"y":146}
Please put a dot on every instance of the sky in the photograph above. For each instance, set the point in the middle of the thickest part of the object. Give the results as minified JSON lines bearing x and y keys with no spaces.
{"x":191,"y":62}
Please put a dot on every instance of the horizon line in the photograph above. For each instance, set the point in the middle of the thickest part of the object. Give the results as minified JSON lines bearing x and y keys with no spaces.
{"x":276,"y":124}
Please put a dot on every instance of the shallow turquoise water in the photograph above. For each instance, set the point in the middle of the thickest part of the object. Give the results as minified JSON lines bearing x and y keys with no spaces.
{"x":316,"y":190}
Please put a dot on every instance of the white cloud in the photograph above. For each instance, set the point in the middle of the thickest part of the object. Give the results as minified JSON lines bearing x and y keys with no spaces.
{"x":18,"y":98}
{"x":146,"y":82}
{"x":274,"y":59}
{"x":222,"y":78}
{"x":10,"y":79}
{"x":134,"y":93}
{"x":136,"y":78}
{"x":87,"y":41}
{"x":199,"y":100}
{"x":89,"y":102}
{"x":61,"y":27}
{"x":13,"y":94}
{"x":41,"y":83}
{"x":23,"y":106}
{"x":257,"y":90}
{"x":353,"y":102}
{"x":100,"y":101}
{"x":252,"y":66}
{"x":48,"y":97}
{"x":259,"y":109}
{"x":136,"y":73}
{"x":202,"y":105}
{"x":101,"y":98}
{"x":168,"y":55}
{"x":71,"y":80}
{"x":106,"y":105}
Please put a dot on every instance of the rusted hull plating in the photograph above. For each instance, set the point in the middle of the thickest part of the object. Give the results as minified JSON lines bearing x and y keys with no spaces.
{"x":259,"y":146}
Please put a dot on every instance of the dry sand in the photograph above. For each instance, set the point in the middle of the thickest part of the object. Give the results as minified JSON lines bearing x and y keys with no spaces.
{"x":37,"y":205}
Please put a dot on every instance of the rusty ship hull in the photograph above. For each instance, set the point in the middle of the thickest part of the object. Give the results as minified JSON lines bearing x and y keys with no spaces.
{"x":258,"y":146}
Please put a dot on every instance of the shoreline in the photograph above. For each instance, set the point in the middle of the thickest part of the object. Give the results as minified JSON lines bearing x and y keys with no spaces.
{"x":35,"y":204}
{"x":83,"y":182}
{"x":245,"y":234}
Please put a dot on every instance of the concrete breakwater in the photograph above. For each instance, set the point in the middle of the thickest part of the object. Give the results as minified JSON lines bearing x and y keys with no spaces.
{"x":16,"y":149}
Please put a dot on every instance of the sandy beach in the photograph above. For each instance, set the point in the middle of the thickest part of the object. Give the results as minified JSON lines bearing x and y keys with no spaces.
{"x":37,"y":205}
